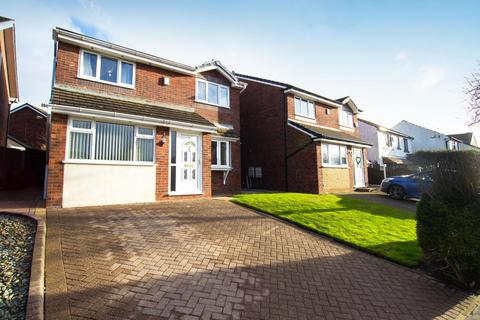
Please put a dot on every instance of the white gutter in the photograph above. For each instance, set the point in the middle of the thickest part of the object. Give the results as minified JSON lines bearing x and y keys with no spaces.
{"x":312,"y":97}
{"x":121,"y":54}
{"x":110,"y":115}
{"x":346,"y":143}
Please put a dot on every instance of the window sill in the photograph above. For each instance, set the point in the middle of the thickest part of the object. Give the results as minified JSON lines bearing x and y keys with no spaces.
{"x":334,"y":166}
{"x":218,"y":168}
{"x":347,"y":128}
{"x":117,"y":163}
{"x":212,"y":104}
{"x":305,"y":118}
{"x":126,"y":86}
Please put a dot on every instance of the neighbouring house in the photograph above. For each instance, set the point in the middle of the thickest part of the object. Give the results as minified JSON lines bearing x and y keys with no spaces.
{"x":388,"y":155}
{"x":430,"y":140}
{"x":27,"y":133}
{"x":467,"y":138}
{"x":8,"y":88}
{"x":296,"y":140}
{"x":127,"y":126}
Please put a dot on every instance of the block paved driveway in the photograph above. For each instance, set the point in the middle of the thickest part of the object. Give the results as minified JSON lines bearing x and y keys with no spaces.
{"x":211,"y":259}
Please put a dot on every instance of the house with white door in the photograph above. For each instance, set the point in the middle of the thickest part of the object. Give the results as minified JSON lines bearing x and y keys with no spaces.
{"x":298,"y":140}
{"x":127,"y":126}
{"x":388,"y":155}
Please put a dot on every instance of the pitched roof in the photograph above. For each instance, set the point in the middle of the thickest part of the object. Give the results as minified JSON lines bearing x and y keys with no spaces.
{"x":380,"y":127}
{"x":286,"y":86}
{"x":331,"y":134}
{"x":464,"y":137}
{"x":29,"y":106}
{"x":91,"y":101}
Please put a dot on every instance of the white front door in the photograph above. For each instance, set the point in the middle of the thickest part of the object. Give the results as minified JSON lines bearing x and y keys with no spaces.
{"x":188,"y":154}
{"x":359,"y":172}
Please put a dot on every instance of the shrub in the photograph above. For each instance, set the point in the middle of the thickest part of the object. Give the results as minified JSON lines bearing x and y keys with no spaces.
{"x":448,"y":215}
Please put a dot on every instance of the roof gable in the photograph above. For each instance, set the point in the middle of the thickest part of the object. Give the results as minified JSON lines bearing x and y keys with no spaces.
{"x":31,"y":107}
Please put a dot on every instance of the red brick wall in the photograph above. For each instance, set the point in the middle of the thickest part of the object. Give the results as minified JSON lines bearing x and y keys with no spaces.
{"x":302,"y":163}
{"x":262,"y":134}
{"x":148,"y":86}
{"x":161,"y":159}
{"x":323,"y":117}
{"x":232,"y":184}
{"x":58,"y":140}
{"x":26,"y":127}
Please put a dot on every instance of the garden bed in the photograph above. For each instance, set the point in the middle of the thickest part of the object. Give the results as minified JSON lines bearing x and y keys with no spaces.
{"x":17,"y":239}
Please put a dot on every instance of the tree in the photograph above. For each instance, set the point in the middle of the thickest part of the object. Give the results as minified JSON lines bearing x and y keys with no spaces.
{"x":473,"y":91}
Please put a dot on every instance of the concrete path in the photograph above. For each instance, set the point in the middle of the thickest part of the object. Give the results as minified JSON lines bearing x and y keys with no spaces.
{"x":211,"y":259}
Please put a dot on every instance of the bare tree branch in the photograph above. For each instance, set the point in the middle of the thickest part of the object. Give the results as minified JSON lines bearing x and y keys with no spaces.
{"x":473,"y":92}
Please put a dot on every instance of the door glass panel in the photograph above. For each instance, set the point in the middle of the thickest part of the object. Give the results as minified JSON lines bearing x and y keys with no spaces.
{"x":193,"y":156}
{"x":185,"y":174}
{"x":193,"y":174}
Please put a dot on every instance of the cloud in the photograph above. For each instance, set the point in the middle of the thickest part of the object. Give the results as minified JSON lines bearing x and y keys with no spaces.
{"x":401,"y":56}
{"x":88,"y":29}
{"x":429,"y":77}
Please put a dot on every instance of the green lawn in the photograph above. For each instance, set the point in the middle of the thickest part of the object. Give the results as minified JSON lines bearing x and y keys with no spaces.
{"x":376,"y":228}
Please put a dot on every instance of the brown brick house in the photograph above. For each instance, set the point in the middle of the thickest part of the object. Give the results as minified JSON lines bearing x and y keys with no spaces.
{"x":296,"y":140}
{"x":8,"y":88}
{"x":126,"y":126}
{"x":28,"y":125}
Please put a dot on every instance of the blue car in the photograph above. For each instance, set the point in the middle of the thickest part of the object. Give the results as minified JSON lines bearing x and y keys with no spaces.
{"x":408,"y":186}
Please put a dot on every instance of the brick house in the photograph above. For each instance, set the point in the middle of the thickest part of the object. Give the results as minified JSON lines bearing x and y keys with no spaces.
{"x":296,"y":140}
{"x":8,"y":88}
{"x":126,"y":126}
{"x":28,"y":125}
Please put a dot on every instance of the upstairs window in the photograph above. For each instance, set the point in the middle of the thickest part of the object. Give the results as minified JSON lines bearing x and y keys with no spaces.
{"x":304,"y":108}
{"x":399,"y":145}
{"x":346,"y":117}
{"x":212,"y":93}
{"x":105,"y":69}
{"x":388,"y":140}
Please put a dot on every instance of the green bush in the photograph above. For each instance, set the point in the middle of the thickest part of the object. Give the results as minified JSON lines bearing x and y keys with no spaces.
{"x":448,"y":215}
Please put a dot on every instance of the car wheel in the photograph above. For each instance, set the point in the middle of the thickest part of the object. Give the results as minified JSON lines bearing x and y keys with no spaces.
{"x":396,"y":192}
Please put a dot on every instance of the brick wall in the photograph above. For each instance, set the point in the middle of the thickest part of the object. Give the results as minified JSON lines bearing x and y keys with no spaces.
{"x":262,"y":134}
{"x":232,"y":183}
{"x":29,"y":127}
{"x":302,"y":163}
{"x":324,"y":116}
{"x":58,"y":140}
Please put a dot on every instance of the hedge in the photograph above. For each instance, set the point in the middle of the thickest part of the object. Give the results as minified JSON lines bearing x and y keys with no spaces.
{"x":448,"y":215}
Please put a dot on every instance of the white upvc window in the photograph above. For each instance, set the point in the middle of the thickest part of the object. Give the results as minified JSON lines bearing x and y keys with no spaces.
{"x":106,"y":142}
{"x":452,"y":145}
{"x":97,"y":67}
{"x":221,"y":155}
{"x":304,"y":108}
{"x":346,"y":117}
{"x":212,"y":93}
{"x":334,"y":155}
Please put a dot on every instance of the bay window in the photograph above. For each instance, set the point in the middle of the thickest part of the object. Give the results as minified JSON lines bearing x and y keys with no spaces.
{"x":304,"y":108}
{"x":212,"y":93}
{"x":105,"y":69}
{"x":221,"y":154}
{"x":110,"y":142}
{"x":334,"y":155}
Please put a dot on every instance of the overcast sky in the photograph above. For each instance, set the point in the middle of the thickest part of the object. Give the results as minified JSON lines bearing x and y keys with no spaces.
{"x":396,"y":59}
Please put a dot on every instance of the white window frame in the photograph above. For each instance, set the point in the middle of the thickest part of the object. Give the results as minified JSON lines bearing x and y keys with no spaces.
{"x":344,"y":116}
{"x":206,"y":93}
{"x":228,"y":165}
{"x":92,"y":159}
{"x":329,"y":164}
{"x":299,"y":111}
{"x":97,"y":75}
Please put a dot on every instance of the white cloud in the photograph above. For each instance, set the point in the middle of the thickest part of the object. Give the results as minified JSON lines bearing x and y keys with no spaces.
{"x":401,"y":56}
{"x":429,"y":77}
